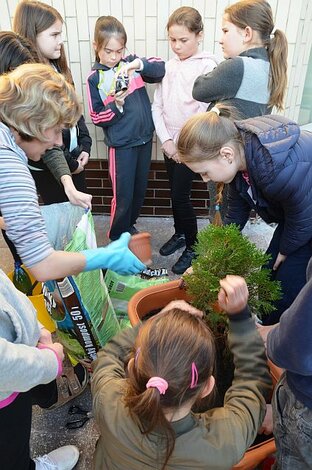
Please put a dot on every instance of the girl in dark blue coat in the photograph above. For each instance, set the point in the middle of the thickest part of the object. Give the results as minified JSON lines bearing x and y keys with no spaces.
{"x":267,"y":162}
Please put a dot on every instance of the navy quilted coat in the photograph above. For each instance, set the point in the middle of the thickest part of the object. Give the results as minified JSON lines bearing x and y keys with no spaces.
{"x":279,"y":166}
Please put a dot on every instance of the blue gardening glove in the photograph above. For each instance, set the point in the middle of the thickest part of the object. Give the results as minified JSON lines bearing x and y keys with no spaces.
{"x":115,"y":256}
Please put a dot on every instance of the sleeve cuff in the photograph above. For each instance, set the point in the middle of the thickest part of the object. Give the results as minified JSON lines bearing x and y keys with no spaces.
{"x":241,"y":316}
{"x":141,"y":65}
{"x":59,"y":362}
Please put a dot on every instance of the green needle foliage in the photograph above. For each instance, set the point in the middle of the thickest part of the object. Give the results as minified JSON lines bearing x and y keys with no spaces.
{"x":221,"y":251}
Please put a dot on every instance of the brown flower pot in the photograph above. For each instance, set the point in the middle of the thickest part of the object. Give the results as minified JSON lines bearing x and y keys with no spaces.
{"x":140,"y":245}
{"x":156,"y":297}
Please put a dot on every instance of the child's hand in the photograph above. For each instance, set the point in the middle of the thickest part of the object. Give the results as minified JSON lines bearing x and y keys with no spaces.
{"x":83,"y":158}
{"x":233,"y":295}
{"x":169,"y":148}
{"x":58,"y":349}
{"x":129,"y":68}
{"x":267,"y":425}
{"x":279,"y":260}
{"x":45,"y":336}
{"x":78,"y":198}
{"x":120,"y":97}
{"x":79,"y":169}
{"x":264,"y":330}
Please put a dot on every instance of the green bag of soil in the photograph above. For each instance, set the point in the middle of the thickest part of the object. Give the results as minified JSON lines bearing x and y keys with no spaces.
{"x":80,"y":304}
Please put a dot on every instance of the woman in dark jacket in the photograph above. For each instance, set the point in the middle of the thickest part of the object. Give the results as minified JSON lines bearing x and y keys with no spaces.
{"x":267,"y":162}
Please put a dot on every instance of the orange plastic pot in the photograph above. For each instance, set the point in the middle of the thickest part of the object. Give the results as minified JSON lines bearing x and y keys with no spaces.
{"x":140,"y":245}
{"x":159,"y":296}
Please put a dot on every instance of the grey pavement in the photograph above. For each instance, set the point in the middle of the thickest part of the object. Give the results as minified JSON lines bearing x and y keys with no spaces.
{"x":48,"y":430}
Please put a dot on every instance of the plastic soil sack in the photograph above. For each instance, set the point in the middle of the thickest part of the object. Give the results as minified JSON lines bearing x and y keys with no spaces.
{"x":122,"y":288}
{"x":81,"y":305}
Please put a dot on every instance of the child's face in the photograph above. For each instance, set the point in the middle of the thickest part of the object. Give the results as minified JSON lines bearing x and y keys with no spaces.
{"x":218,"y":169}
{"x":50,"y":41}
{"x":183,"y":42}
{"x":232,"y":39}
{"x":111,"y":53}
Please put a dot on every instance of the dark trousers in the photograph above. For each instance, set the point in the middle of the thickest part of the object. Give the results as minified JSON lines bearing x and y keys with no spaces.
{"x":11,"y":247}
{"x":15,"y":426}
{"x":180,"y":180}
{"x":291,"y":274}
{"x":128,"y":169}
{"x":51,"y":191}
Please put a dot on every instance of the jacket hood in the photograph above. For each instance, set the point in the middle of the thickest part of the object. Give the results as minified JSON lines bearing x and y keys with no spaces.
{"x":268,"y":141}
{"x":98,"y":66}
{"x":276,"y":133}
{"x":202,"y":55}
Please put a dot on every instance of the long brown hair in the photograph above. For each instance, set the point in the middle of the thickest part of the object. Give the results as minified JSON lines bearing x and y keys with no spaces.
{"x":167,"y":346}
{"x":257,"y":14}
{"x":14,"y":51}
{"x":32,"y":18}
{"x":105,"y":28}
{"x":188,"y":17}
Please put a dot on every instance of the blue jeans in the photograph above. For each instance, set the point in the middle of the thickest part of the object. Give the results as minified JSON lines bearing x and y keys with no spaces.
{"x":292,"y":430}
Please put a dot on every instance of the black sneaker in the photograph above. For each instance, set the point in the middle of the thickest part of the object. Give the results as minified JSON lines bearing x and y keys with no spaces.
{"x":133,"y":230}
{"x":176,"y":241}
{"x":184,"y":261}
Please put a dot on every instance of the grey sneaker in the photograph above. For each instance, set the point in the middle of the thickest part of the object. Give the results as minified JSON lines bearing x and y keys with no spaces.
{"x":63,"y":458}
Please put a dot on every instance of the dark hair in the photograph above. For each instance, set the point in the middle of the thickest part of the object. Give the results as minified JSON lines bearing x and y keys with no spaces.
{"x":257,"y":14}
{"x":105,"y":28}
{"x":168,"y":345}
{"x":188,"y":17}
{"x":14,"y":51}
{"x":32,"y":18}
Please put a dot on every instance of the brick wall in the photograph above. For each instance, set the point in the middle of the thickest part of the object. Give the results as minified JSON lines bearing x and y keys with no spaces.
{"x":157,"y":201}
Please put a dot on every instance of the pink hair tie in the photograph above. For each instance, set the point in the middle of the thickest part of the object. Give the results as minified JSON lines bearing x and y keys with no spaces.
{"x":159,"y":383}
{"x":194,"y":380}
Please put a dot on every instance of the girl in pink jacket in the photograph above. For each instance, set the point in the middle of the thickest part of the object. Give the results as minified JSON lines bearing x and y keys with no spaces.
{"x":173,"y":105}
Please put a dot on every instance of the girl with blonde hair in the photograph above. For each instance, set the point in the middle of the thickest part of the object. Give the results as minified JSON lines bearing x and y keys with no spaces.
{"x":267,"y":163}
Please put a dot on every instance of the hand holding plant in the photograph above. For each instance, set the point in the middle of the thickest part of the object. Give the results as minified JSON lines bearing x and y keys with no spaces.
{"x":233,"y":295}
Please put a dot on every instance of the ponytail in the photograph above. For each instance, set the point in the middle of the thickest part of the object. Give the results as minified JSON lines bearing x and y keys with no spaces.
{"x":174,"y":358}
{"x":278,"y":50}
{"x":258,"y":15}
{"x":217,"y":219}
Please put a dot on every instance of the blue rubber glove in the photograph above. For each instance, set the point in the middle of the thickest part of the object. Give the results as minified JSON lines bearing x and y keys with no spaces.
{"x":115,"y":256}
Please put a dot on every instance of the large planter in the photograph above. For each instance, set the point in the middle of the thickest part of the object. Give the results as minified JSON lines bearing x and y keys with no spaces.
{"x":156,"y":297}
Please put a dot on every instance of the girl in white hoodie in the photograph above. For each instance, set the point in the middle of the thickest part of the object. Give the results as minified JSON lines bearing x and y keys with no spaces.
{"x":173,"y":105}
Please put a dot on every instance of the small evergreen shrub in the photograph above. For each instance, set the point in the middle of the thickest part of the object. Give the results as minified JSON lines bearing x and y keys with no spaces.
{"x":221,"y":251}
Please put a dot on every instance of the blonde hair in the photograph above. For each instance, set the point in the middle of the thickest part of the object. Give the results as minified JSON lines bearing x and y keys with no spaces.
{"x":257,"y":14}
{"x":34,"y":98}
{"x":202,"y":137}
{"x":203,"y":134}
